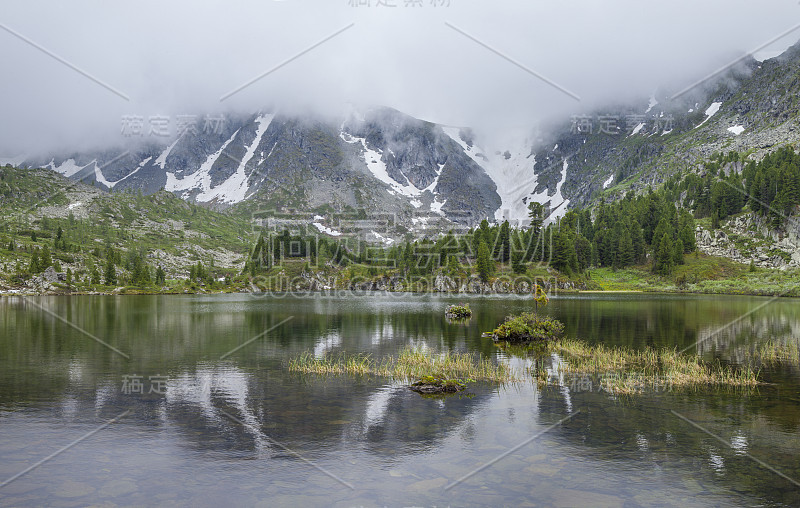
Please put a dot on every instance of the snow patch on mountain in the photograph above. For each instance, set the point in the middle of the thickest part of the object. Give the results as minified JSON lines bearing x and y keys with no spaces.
{"x":471,"y":150}
{"x":67,"y":168}
{"x":558,"y":205}
{"x":162,"y":159}
{"x":511,"y":169}
{"x":378,"y":168}
{"x":234,"y":189}
{"x":636,"y":130}
{"x":326,"y":230}
{"x":436,"y":206}
{"x":435,"y":182}
{"x":608,"y":182}
{"x":200,"y":179}
{"x":99,"y":177}
{"x":111,"y":185}
{"x":711,"y":111}
{"x":653,"y":103}
{"x":736,"y":129}
{"x":381,"y":238}
{"x":269,"y":154}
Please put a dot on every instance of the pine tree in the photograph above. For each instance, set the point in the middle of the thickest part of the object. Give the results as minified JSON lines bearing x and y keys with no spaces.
{"x":485,"y":262}
{"x":505,"y":243}
{"x":637,"y":240}
{"x":160,"y":276}
{"x":517,"y":262}
{"x":94,"y":276}
{"x":625,"y":249}
{"x":110,"y":273}
{"x":536,"y":215}
{"x":686,"y":233}
{"x":564,"y":258}
{"x":34,"y":266}
{"x":477,"y":237}
{"x":453,"y":266}
{"x":583,"y":251}
{"x":45,"y":259}
{"x":677,"y":252}
{"x":663,"y":256}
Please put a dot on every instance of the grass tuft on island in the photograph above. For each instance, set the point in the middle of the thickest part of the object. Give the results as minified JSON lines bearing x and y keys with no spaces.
{"x":458,"y":312}
{"x":528,"y":327}
{"x":431,"y":385}
{"x":412,"y":363}
{"x":623,"y":370}
{"x":778,"y":352}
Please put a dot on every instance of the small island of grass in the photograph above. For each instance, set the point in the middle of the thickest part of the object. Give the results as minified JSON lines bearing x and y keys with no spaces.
{"x":438,"y":384}
{"x":528,"y":327}
{"x":411,"y":363}
{"x":458,"y":312}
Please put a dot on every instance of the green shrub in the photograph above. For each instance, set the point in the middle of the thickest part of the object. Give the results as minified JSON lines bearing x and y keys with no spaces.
{"x":458,"y":311}
{"x":528,"y":327}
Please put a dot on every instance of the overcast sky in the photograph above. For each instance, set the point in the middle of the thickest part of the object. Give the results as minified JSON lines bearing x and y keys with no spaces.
{"x":172,"y":58}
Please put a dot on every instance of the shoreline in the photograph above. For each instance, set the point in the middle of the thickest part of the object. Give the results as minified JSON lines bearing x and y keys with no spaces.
{"x":356,"y":291}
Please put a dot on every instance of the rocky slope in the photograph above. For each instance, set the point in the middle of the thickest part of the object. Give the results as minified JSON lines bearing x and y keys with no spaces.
{"x":750,"y":238}
{"x":380,"y":166}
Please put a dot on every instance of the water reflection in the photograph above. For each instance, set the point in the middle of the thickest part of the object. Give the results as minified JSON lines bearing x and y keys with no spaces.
{"x":218,"y":411}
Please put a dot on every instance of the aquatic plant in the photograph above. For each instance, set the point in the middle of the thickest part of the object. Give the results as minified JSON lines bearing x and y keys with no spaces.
{"x":439,"y":384}
{"x":624,"y":370}
{"x":528,"y":327}
{"x":458,"y":311}
{"x":411,"y":363}
{"x":778,"y":352}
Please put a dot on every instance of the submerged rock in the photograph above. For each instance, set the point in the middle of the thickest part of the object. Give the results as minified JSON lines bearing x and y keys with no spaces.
{"x":437,"y":384}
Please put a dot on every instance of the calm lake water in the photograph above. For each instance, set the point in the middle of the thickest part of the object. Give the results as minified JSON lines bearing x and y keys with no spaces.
{"x":198,"y":422}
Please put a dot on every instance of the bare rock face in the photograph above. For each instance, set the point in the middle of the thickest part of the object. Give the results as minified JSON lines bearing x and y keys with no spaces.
{"x":749,"y":238}
{"x":378,"y":160}
{"x":50,"y":275}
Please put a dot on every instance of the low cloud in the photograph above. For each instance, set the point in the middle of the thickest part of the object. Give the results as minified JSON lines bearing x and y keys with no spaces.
{"x":491,"y":65}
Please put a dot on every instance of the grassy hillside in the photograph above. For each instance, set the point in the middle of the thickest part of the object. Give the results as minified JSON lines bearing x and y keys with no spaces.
{"x":81,"y":228}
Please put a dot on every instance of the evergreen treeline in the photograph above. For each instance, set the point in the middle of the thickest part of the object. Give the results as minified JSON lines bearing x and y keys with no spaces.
{"x":770,"y":187}
{"x":619,"y":234}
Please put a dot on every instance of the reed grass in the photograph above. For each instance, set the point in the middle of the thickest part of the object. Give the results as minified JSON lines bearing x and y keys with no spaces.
{"x":411,"y":363}
{"x":777,"y":352}
{"x":624,"y":370}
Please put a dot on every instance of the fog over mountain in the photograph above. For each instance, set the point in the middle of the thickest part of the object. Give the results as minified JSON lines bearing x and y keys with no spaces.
{"x":74,"y":70}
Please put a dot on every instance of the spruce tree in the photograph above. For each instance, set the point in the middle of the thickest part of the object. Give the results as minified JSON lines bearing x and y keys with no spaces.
{"x":663,"y":256}
{"x":110,"y":273}
{"x":45,"y":260}
{"x":536,"y":215}
{"x":505,"y":243}
{"x":34,"y":266}
{"x":677,"y":252}
{"x":94,"y":276}
{"x":160,"y":276}
{"x":485,"y":262}
{"x":637,"y":240}
{"x":625,"y":249}
{"x":453,"y":266}
{"x":517,"y":262}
